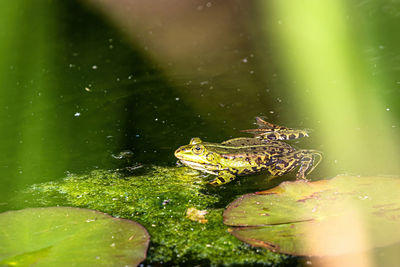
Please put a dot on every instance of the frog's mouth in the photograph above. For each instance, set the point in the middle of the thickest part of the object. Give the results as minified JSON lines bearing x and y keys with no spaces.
{"x":209,"y":168}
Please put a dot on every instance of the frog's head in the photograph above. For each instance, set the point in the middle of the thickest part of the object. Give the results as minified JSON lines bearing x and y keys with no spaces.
{"x":197,"y":156}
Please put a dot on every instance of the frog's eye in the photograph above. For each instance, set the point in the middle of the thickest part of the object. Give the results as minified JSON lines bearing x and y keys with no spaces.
{"x":198,"y":149}
{"x":195,"y":140}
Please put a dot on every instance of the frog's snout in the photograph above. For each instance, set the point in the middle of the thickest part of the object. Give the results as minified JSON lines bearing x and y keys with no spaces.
{"x":178,"y":151}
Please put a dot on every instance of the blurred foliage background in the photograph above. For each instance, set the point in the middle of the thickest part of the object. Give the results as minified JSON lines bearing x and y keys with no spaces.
{"x":82,"y":81}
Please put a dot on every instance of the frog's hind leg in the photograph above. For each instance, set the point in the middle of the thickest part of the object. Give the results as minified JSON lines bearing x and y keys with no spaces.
{"x":303,"y":158}
{"x":284,"y":165}
{"x":307,"y":162}
{"x":271,"y":131}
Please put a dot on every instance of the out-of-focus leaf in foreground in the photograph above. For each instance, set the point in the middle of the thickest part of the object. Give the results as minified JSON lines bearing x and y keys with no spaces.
{"x":330,"y":217}
{"x":63,"y":236}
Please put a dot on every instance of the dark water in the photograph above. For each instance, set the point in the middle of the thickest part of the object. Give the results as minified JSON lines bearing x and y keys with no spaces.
{"x":81,"y":83}
{"x":74,"y":93}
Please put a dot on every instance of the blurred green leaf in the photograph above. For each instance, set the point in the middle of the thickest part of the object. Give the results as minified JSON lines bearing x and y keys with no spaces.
{"x":55,"y":237}
{"x":330,"y":217}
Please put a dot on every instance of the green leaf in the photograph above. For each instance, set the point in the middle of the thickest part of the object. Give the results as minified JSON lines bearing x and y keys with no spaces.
{"x":330,"y":217}
{"x":56,"y":236}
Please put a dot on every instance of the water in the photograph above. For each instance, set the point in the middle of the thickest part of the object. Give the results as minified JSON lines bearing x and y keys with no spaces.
{"x":78,"y":89}
{"x":82,"y":81}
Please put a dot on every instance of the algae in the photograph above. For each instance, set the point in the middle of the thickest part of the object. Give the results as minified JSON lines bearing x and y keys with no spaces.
{"x":158,"y":198}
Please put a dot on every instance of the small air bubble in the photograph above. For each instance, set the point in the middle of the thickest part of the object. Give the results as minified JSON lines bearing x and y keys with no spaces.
{"x":94,"y":67}
{"x":314,"y":209}
{"x":77,"y":114}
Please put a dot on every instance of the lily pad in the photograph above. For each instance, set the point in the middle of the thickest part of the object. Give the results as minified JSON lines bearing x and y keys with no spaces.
{"x":330,"y":217}
{"x":56,"y":236}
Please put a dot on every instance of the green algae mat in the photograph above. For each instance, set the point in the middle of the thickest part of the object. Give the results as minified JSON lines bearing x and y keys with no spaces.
{"x":63,"y":236}
{"x":343,"y":215}
{"x":181,"y":212}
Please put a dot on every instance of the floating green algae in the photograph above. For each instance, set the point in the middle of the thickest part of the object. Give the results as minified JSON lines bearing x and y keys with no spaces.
{"x":158,"y":198}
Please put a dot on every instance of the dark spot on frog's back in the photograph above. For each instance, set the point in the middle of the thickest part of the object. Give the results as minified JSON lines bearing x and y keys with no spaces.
{"x":285,"y":163}
{"x":259,"y":161}
{"x":301,"y":135}
{"x":292,"y":136}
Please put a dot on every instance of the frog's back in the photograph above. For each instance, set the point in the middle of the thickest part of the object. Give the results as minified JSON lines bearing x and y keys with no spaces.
{"x":256,"y":146}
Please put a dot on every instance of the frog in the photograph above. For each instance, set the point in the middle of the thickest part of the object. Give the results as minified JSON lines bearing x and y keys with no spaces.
{"x":246,"y":156}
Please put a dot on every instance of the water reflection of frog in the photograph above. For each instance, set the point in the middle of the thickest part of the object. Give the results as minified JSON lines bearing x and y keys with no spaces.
{"x":243,"y":156}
